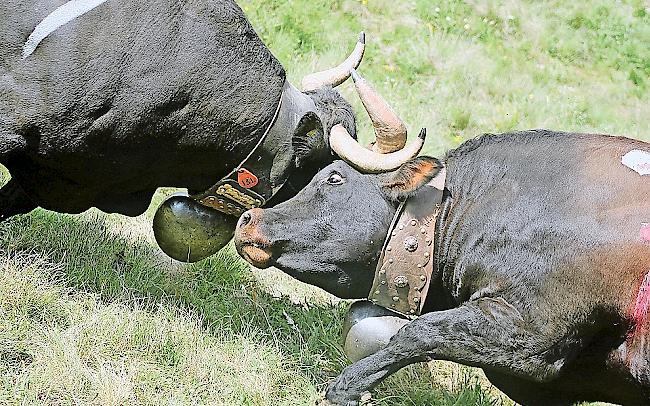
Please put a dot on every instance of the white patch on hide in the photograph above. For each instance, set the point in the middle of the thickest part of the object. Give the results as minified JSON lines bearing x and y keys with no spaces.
{"x":638,"y":161}
{"x":58,"y":18}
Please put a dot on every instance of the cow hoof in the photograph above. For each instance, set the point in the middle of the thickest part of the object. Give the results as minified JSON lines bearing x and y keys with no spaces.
{"x":366,"y":399}
{"x":339,"y":395}
{"x":322,"y":401}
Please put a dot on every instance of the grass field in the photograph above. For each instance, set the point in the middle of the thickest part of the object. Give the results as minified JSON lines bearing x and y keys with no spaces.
{"x":91,"y":312}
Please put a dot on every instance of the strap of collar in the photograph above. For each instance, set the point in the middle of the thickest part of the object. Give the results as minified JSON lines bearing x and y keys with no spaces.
{"x":405,"y":266}
{"x":249,"y":185}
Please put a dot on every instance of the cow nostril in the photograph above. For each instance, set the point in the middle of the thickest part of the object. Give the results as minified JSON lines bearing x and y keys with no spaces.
{"x":245,"y":218}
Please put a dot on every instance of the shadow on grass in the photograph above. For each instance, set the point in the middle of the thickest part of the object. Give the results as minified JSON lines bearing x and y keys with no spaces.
{"x":97,"y":258}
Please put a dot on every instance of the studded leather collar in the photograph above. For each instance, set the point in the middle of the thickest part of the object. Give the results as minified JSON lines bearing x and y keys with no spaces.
{"x":406,"y":263}
{"x":251,"y":184}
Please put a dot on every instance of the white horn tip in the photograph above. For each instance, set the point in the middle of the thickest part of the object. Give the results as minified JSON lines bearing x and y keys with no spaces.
{"x":355,"y":75}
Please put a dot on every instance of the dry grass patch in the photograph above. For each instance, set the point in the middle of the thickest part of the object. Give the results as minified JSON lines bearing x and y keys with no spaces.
{"x":65,"y":347}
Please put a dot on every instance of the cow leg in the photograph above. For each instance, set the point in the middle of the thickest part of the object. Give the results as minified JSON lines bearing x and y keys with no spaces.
{"x":529,"y":393}
{"x":13,"y":201}
{"x":486,"y":332}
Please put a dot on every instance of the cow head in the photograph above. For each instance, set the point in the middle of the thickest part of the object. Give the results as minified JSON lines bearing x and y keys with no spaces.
{"x":310,"y":150}
{"x":331,"y":233}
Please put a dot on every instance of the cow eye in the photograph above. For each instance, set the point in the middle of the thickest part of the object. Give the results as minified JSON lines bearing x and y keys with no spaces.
{"x":335,"y":178}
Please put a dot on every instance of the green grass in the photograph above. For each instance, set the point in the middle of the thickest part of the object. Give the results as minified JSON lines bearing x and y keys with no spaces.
{"x":466,"y":68}
{"x":91,"y":312}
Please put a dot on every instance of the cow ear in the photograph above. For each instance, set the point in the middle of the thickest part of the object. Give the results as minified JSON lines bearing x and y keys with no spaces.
{"x":307,"y":138}
{"x":411,"y":176}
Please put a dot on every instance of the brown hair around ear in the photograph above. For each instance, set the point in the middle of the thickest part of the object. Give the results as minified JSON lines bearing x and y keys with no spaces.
{"x":411,"y":176}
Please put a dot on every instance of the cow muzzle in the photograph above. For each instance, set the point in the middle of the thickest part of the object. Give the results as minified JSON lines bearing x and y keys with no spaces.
{"x":189,"y":231}
{"x":251,"y":244}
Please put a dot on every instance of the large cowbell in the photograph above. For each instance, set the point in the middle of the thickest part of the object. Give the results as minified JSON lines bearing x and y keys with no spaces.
{"x":189,"y":231}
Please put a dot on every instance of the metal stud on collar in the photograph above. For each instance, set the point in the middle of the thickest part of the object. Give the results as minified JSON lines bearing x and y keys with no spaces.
{"x":411,"y":243}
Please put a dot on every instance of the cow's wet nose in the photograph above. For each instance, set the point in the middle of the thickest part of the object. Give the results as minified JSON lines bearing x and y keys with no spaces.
{"x":249,"y":240}
{"x":249,"y":217}
{"x":245,"y":219}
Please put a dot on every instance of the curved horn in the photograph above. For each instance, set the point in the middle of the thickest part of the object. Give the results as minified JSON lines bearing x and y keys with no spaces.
{"x":390,"y":130}
{"x":367,"y":161}
{"x":337,"y":75}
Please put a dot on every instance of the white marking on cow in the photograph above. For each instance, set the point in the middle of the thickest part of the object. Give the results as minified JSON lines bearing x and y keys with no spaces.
{"x":58,"y":18}
{"x":638,"y":161}
{"x":644,"y":233}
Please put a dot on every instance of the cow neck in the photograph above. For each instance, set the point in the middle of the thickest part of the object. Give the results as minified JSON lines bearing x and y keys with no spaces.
{"x":406,"y":264}
{"x":264,"y":170}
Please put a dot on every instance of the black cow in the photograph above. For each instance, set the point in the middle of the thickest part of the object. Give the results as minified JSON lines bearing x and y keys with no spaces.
{"x":541,"y":262}
{"x":103,"y":101}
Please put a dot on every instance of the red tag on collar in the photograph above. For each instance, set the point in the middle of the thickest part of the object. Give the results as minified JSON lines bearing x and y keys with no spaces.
{"x":246,"y":178}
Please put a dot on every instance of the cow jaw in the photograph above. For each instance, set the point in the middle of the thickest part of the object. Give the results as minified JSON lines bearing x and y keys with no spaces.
{"x":327,"y":276}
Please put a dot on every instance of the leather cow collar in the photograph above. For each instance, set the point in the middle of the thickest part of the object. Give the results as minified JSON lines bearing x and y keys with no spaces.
{"x":250,"y":184}
{"x":405,"y":267}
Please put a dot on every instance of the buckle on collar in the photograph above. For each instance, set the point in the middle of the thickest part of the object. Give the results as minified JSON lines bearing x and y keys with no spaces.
{"x":229,"y":197}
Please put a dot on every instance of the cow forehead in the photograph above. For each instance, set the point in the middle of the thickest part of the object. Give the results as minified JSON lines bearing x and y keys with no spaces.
{"x":342,"y":167}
